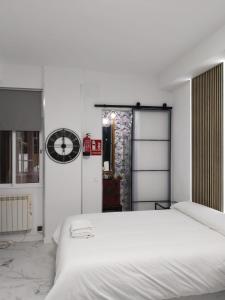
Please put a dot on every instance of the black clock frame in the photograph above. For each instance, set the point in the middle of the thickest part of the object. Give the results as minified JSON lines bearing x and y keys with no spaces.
{"x":63,"y":133}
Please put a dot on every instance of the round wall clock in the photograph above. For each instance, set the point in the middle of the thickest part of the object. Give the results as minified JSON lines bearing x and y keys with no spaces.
{"x":63,"y":145}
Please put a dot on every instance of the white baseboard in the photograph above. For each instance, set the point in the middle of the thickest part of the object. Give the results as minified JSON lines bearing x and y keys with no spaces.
{"x":21,"y":237}
{"x":48,"y":240}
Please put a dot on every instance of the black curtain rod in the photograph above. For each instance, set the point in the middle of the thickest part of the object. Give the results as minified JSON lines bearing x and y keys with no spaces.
{"x":137,"y":106}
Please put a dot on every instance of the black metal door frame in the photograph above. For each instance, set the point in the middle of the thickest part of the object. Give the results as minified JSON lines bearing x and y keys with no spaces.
{"x":157,"y":202}
{"x":139,"y":107}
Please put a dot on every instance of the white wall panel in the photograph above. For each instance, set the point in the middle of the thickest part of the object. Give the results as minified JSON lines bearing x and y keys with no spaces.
{"x":62,"y":181}
{"x":181,"y":144}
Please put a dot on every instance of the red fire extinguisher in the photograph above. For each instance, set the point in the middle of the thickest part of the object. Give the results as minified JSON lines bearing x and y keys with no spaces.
{"x":87,"y":145}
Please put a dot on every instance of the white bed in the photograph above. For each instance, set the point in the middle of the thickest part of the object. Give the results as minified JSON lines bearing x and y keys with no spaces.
{"x":151,"y":255}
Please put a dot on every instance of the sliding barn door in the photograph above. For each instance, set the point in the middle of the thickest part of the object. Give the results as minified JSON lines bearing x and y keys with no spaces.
{"x":151,"y":144}
{"x":207,"y":138}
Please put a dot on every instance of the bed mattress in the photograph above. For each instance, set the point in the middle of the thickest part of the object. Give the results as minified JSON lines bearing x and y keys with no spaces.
{"x":151,"y":255}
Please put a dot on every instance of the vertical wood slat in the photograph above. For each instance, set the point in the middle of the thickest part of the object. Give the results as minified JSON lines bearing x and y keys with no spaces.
{"x":207,"y":138}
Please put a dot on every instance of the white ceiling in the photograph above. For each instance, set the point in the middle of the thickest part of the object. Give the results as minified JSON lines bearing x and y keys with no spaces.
{"x":138,"y":36}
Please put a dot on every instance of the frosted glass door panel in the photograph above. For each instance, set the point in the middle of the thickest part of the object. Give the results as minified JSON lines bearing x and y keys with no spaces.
{"x":144,"y":206}
{"x":150,"y":186}
{"x":151,"y":125}
{"x":151,"y":155}
{"x":148,"y":206}
{"x":151,"y":158}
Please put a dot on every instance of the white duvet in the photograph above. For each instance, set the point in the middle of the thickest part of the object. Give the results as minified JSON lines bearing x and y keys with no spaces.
{"x":150,"y":255}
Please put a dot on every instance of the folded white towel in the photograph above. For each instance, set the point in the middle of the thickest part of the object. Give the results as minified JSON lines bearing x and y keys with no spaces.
{"x":82,"y":234}
{"x":80,"y":224}
{"x":81,"y":228}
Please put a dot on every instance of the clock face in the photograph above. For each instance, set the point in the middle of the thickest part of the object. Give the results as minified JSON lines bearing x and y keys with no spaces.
{"x":63,"y":145}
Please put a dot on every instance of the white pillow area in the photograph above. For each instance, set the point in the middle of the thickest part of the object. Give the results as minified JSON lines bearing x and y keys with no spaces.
{"x":203,"y":214}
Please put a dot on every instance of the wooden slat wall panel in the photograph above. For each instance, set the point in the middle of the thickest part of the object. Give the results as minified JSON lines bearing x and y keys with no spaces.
{"x":207,"y":138}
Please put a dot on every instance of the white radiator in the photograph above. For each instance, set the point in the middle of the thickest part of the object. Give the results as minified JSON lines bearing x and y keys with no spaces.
{"x":15,"y":213}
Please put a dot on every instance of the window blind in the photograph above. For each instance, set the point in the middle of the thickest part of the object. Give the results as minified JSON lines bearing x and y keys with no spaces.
{"x":207,"y":138}
{"x":20,"y":110}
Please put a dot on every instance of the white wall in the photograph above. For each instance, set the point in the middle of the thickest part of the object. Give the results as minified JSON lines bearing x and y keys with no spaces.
{"x":62,"y":109}
{"x":205,"y":55}
{"x":181,"y":143}
{"x":70,"y":95}
{"x":19,"y":76}
{"x":109,"y":89}
{"x":69,"y":98}
{"x":79,"y":91}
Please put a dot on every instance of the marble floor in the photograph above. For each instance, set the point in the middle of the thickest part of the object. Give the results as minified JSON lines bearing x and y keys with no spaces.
{"x":26,"y":271}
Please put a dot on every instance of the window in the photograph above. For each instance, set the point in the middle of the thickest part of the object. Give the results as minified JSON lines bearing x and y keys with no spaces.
{"x":5,"y":156}
{"x":19,"y":157}
{"x":27,"y":156}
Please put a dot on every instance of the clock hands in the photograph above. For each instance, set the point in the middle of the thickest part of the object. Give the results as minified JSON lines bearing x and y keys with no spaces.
{"x":63,"y":145}
{"x":60,"y":146}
